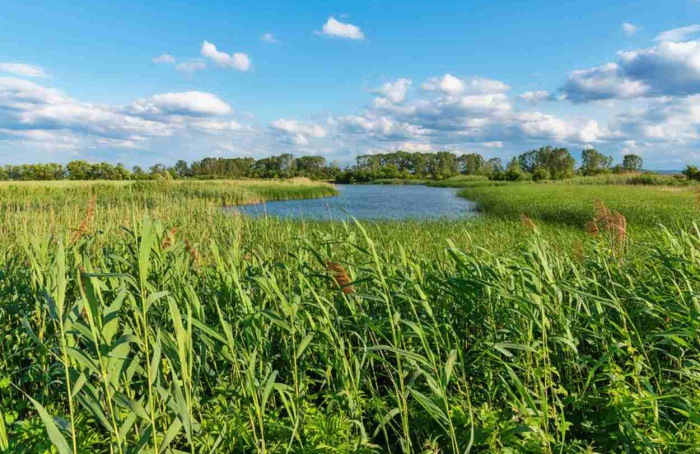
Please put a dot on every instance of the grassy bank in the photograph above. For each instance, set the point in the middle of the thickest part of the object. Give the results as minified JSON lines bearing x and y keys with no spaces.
{"x":157,"y":193}
{"x":159,"y":323}
{"x":564,"y":203}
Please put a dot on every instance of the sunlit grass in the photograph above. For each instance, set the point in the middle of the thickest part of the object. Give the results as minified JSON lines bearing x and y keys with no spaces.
{"x":148,"y":319}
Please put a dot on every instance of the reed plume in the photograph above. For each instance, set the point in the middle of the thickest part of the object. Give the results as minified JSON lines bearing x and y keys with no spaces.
{"x":528,"y":223}
{"x":340,"y":276}
{"x":87,"y":223}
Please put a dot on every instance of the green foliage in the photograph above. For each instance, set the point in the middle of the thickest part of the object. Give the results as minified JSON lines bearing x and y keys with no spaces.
{"x":632,"y":163}
{"x":593,"y":162}
{"x":692,"y":173}
{"x":169,"y":325}
{"x":566,"y":203}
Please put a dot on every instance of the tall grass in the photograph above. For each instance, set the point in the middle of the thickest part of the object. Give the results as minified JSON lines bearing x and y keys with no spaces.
{"x":183,"y":329}
{"x":563,"y":203}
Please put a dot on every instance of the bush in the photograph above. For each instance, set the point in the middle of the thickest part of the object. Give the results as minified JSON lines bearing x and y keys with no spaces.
{"x":541,"y":174}
{"x":692,"y":173}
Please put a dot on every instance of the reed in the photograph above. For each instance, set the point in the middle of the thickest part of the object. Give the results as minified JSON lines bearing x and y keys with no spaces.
{"x":182,"y":328}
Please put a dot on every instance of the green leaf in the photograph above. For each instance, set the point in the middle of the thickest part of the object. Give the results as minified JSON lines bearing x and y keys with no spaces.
{"x":54,"y":434}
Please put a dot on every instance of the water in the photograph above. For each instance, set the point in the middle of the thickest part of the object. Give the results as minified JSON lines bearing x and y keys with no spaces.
{"x":372,"y":202}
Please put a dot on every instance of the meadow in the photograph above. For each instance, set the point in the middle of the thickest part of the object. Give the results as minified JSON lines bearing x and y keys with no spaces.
{"x":142,"y":317}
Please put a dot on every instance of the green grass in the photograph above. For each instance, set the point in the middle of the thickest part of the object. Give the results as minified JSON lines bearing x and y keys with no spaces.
{"x":565,"y":203}
{"x":460,"y":181}
{"x":400,"y":181}
{"x":157,"y":322}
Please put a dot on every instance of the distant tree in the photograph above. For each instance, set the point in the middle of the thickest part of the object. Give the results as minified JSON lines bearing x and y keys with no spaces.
{"x":513,"y":171}
{"x":182,"y":169}
{"x":541,"y":174}
{"x":121,"y":172}
{"x":138,"y":173}
{"x":692,"y":172}
{"x":632,"y":163}
{"x":310,"y":166}
{"x":79,"y":170}
{"x":529,"y":160}
{"x":560,"y":164}
{"x":494,"y":165}
{"x":593,"y":162}
{"x":472,"y":164}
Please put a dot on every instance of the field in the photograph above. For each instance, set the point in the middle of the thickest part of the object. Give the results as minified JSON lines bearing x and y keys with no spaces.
{"x":143,"y":318}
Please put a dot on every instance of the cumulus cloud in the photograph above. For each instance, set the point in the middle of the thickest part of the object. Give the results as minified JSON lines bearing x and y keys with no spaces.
{"x":535,"y":96}
{"x":665,"y":120}
{"x":34,"y":118}
{"x":380,"y":127}
{"x":629,"y":29}
{"x":679,"y":34}
{"x":452,"y":112}
{"x":190,"y":67}
{"x":666,"y":69}
{"x":237,"y":60}
{"x":394,"y":92}
{"x":296,"y":131}
{"x":338,"y":29}
{"x":164,"y":58}
{"x":189,"y":103}
{"x":22,"y":69}
{"x":213,"y":125}
{"x":451,"y":85}
{"x":268,"y":38}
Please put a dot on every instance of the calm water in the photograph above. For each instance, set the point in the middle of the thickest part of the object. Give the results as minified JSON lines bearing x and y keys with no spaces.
{"x":372,"y":202}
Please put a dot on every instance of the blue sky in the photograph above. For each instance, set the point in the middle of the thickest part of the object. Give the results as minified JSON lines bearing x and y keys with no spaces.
{"x":81,"y":80}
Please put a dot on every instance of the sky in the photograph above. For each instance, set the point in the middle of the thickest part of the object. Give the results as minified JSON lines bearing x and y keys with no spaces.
{"x":153,"y":82}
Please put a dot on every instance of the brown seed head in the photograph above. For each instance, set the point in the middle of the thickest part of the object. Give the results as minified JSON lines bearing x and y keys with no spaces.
{"x":527,"y":222}
{"x":337,"y":271}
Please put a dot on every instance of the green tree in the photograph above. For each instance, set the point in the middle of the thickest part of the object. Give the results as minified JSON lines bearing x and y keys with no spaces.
{"x":632,"y":163}
{"x":79,"y":170}
{"x":472,"y":164}
{"x":494,"y":165}
{"x":182,"y":169}
{"x":513,"y":171}
{"x":593,"y":162}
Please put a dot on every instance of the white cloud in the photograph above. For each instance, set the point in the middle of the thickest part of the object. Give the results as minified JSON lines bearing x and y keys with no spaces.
{"x":629,"y":29}
{"x":535,"y":96}
{"x":22,"y":69}
{"x":35,"y":120}
{"x":20,"y":94}
{"x":666,"y":69}
{"x":189,"y":103}
{"x":268,"y":38}
{"x":164,"y":58}
{"x":337,"y":29}
{"x":190,"y":67}
{"x":395,"y":91}
{"x":213,"y":125}
{"x":297,"y":132}
{"x":380,"y":127}
{"x":451,"y":85}
{"x":237,"y":60}
{"x":602,"y":82}
{"x":448,"y":84}
{"x":678,"y":34}
{"x":665,"y":120}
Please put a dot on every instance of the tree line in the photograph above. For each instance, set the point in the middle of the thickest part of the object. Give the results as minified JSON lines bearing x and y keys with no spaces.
{"x":546,"y":163}
{"x":281,"y":166}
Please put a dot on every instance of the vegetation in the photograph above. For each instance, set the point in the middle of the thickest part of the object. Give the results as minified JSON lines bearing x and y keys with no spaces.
{"x":274,"y":167}
{"x":546,"y":163}
{"x":140,"y":317}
